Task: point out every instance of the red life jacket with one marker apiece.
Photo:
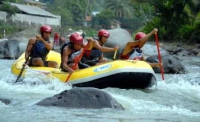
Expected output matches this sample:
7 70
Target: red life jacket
88 53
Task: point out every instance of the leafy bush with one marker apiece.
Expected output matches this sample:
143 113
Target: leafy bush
186 31
155 23
12 10
190 33
9 29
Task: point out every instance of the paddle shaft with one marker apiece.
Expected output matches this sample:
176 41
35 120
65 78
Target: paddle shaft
115 55
25 63
159 56
76 63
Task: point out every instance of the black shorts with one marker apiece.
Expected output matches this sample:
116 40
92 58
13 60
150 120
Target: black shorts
31 64
89 62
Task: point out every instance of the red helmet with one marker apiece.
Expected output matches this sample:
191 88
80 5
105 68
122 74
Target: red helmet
45 28
104 33
76 38
56 34
139 35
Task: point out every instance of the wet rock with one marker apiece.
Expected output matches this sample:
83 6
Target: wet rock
178 50
120 37
194 52
82 98
9 49
171 64
150 50
5 101
2 44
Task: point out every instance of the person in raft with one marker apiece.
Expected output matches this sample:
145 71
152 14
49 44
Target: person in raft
70 51
38 48
56 39
94 54
132 50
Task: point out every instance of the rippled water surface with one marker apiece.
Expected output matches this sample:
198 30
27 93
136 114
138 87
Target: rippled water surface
174 99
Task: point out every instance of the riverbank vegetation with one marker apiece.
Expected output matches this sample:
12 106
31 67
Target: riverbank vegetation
177 20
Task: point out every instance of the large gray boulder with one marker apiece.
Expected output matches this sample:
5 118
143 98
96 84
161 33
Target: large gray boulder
171 64
9 48
82 98
151 49
14 45
2 43
120 37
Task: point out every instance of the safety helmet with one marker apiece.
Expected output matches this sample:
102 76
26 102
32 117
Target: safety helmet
76 38
56 34
45 28
104 33
139 35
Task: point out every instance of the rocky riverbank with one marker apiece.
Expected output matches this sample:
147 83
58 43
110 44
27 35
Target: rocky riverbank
172 53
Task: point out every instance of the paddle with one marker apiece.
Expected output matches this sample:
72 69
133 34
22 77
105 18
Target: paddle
76 62
115 55
159 56
25 63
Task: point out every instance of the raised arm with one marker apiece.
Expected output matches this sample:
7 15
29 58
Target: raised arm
104 49
145 38
49 46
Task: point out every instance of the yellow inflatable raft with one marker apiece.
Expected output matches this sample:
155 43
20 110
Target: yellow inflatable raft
119 73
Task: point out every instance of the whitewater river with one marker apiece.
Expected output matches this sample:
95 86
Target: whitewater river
176 99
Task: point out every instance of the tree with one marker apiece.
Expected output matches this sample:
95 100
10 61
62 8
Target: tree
77 8
58 8
104 18
11 10
194 6
121 8
171 15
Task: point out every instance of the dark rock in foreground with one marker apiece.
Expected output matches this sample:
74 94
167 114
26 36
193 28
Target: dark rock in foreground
5 101
171 64
82 98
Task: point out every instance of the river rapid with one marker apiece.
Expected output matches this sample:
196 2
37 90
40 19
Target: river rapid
174 99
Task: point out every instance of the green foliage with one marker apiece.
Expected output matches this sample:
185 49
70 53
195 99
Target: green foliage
72 11
121 8
143 11
12 10
131 24
190 33
77 9
104 18
186 31
155 23
59 9
175 18
9 29
90 32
